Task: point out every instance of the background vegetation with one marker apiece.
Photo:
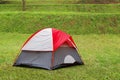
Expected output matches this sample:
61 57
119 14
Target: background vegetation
94 25
73 23
99 52
66 1
72 18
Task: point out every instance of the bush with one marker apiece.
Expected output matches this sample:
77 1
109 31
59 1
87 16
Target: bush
98 1
5 2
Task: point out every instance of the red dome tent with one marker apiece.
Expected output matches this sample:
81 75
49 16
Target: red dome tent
48 48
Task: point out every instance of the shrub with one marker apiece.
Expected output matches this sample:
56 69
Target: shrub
98 1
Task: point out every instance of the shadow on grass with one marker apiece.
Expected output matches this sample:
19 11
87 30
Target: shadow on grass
55 68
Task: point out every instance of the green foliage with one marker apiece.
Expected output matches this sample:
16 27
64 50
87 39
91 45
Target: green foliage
97 43
3 1
98 1
74 1
94 8
74 23
99 52
66 1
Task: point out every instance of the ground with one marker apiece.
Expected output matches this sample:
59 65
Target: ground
100 53
95 29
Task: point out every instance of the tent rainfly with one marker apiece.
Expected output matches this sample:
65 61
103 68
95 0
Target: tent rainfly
49 48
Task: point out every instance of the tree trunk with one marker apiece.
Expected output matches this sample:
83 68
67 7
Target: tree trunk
23 5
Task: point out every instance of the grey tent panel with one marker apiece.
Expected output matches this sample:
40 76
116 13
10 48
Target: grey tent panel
35 59
63 56
62 52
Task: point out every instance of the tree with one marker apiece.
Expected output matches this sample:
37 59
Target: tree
23 5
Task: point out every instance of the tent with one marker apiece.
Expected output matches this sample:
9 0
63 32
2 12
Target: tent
49 48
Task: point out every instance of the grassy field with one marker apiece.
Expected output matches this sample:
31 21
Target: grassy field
93 8
94 27
71 22
72 18
99 52
65 1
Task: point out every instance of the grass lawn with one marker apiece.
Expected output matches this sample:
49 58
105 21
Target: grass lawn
98 39
90 8
70 22
100 53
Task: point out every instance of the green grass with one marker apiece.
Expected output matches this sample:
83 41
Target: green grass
95 29
100 54
65 1
71 22
72 18
42 1
94 8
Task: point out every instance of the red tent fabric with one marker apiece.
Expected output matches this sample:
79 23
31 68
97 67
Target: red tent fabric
56 39
49 48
